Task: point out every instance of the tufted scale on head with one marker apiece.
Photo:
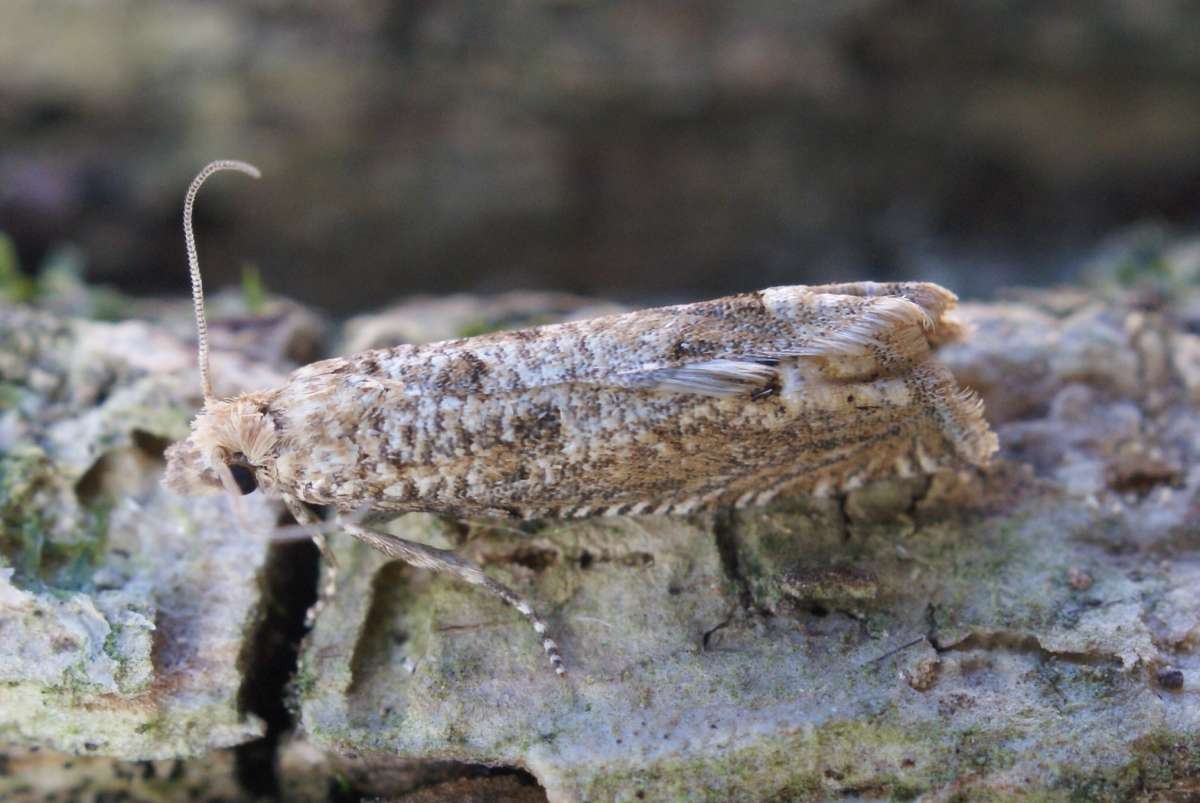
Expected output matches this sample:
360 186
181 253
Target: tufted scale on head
238 428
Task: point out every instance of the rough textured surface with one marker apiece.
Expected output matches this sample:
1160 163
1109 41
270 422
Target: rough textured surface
125 610
1028 632
425 319
42 776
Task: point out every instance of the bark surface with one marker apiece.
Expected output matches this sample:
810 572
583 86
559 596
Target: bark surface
1026 631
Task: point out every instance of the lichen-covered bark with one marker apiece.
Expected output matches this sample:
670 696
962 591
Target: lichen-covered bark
1024 631
1029 631
124 610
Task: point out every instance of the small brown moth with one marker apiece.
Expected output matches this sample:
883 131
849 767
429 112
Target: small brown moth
669 410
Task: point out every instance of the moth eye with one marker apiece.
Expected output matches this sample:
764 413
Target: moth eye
244 477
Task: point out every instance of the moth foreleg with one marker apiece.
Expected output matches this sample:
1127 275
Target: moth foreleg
441 560
307 518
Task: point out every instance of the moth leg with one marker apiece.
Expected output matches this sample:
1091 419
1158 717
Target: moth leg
441 560
306 517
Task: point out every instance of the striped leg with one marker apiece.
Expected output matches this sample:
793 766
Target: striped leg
306 518
441 560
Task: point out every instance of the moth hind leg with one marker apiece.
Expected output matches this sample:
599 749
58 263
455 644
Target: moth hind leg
441 560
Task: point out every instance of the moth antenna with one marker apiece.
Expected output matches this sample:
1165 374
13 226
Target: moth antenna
194 260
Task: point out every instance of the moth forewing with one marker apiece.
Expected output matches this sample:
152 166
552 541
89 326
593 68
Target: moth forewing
666 410
654 411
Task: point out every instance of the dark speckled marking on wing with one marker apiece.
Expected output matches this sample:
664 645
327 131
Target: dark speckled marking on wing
676 408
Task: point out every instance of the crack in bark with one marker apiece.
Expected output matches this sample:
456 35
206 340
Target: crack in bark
270 658
708 634
725 532
1012 641
895 651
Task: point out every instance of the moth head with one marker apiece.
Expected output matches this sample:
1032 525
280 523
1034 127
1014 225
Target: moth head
231 448
231 439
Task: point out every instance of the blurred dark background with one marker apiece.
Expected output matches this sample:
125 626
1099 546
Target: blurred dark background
632 149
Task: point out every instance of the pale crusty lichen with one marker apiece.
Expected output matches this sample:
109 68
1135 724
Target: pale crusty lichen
125 609
915 638
965 637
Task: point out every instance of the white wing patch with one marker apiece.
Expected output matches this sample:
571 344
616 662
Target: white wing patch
721 377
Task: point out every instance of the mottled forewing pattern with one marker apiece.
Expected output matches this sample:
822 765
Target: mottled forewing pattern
665 410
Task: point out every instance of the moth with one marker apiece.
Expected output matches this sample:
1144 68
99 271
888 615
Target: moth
661 411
